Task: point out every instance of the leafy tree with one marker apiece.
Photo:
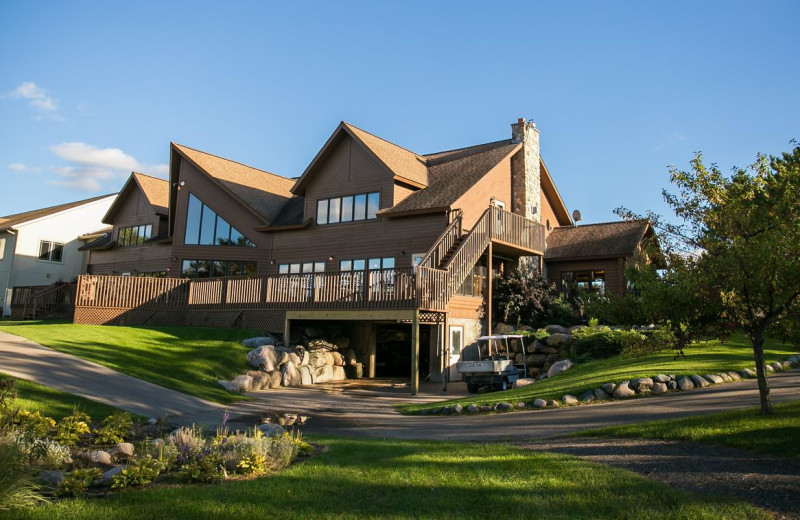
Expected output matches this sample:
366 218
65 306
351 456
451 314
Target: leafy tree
524 296
739 237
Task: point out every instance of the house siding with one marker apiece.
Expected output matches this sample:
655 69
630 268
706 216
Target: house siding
614 268
495 184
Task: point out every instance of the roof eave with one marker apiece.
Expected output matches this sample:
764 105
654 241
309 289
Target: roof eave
286 227
411 212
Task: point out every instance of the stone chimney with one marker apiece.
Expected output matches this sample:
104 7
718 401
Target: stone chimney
526 185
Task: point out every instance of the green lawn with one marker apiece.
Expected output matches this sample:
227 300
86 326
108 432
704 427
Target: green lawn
401 479
187 359
777 434
705 358
55 403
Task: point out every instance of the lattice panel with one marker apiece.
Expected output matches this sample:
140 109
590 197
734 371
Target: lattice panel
261 319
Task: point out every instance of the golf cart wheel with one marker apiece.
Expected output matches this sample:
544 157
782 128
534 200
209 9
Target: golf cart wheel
472 388
504 384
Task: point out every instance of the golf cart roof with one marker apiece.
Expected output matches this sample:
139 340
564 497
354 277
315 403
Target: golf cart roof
501 336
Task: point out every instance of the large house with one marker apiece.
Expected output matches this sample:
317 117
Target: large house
386 242
41 247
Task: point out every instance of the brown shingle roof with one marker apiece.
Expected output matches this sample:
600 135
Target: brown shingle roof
608 239
156 190
9 221
453 173
403 163
265 192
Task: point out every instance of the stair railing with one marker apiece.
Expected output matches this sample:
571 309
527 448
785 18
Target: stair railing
444 243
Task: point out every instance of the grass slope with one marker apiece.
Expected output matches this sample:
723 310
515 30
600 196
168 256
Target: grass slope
187 359
394 479
777 434
55 403
704 358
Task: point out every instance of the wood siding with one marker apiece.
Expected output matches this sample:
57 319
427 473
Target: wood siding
495 184
614 268
548 215
465 307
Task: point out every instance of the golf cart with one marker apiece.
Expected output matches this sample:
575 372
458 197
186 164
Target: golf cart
495 366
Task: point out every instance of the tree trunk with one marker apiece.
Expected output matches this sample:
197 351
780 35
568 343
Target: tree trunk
761 372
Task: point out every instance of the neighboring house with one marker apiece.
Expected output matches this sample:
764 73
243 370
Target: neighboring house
592 258
41 247
390 245
137 242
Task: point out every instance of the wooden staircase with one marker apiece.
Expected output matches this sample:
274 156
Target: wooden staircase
56 301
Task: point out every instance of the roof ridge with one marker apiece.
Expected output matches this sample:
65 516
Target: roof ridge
467 147
150 176
231 160
422 157
576 226
71 205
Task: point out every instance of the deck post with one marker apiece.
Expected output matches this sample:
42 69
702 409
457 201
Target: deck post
415 353
286 331
489 293
373 349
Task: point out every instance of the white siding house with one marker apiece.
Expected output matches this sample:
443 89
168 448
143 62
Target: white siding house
40 247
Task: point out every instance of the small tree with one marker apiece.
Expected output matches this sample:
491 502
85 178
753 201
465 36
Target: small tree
741 238
524 296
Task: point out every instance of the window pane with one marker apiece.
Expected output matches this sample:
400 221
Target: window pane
217 268
374 263
308 267
322 211
44 250
283 269
294 268
358 265
189 269
237 239
346 265
57 252
223 235
234 269
359 207
388 263
148 231
193 220
2 248
334 210
142 231
250 268
373 204
347 208
319 267
207 226
203 268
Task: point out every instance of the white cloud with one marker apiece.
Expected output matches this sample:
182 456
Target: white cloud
38 97
92 168
23 168
159 170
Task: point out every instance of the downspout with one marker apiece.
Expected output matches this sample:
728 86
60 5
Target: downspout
8 277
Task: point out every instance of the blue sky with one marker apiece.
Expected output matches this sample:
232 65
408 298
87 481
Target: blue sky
619 90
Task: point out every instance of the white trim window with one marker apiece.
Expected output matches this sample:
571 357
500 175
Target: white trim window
50 251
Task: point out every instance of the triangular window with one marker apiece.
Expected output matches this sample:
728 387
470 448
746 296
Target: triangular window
205 228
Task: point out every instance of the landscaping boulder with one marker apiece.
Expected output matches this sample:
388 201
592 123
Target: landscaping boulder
486 408
338 373
244 382
624 390
569 399
661 378
304 357
473 408
672 385
260 380
769 369
338 359
587 396
559 366
305 375
323 374
316 359
263 356
777 366
734 375
642 384
547 350
271 429
557 340
787 365
699 382
555 329
714 379
523 381
456 409
51 478
552 403
503 407
685 383
503 328
536 360
230 386
572 329
99 457
539 403
275 379
124 449
291 376
259 341
109 475
600 394
608 388
725 377
659 388
747 373
520 405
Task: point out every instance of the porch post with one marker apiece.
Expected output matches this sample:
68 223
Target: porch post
489 294
286 331
372 334
415 353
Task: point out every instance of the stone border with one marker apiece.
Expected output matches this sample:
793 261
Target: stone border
640 386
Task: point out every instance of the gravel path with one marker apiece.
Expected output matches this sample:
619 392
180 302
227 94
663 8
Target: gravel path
768 482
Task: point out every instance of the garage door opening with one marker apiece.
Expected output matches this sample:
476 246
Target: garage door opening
393 351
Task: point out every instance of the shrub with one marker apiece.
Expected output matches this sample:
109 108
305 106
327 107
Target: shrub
653 341
77 482
116 427
8 412
142 471
602 342
524 296
34 423
17 488
205 468
71 428
44 452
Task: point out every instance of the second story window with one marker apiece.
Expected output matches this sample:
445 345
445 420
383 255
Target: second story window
205 228
349 208
51 251
134 235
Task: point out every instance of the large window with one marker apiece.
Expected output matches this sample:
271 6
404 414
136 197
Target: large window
578 283
51 251
134 235
205 228
349 208
475 283
302 267
217 268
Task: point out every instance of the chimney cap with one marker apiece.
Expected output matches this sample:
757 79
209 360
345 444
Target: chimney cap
521 121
